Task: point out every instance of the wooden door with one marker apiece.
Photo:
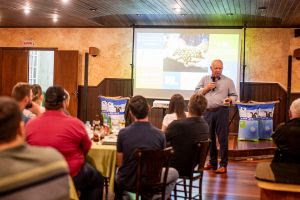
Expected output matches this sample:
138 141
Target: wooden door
14 68
66 75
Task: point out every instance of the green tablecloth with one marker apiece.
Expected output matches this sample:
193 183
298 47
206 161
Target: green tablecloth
103 157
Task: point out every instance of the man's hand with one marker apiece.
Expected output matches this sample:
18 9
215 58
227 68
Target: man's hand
35 109
227 101
209 87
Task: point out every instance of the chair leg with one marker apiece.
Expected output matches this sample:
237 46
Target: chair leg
190 188
184 187
200 187
175 192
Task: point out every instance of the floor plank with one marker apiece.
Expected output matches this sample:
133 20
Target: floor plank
238 184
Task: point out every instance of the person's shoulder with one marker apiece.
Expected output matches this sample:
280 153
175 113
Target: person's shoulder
191 122
73 120
178 123
47 153
225 77
125 131
206 77
32 121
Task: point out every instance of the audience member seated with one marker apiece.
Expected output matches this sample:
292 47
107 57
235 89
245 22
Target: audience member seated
68 135
285 166
37 98
140 134
175 111
22 93
183 134
27 172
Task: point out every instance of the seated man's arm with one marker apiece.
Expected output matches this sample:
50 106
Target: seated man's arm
85 140
119 150
279 135
119 159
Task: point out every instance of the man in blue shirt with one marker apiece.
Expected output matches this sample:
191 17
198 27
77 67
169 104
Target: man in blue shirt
220 92
140 134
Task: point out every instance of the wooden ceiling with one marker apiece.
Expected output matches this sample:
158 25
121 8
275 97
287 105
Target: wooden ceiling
127 13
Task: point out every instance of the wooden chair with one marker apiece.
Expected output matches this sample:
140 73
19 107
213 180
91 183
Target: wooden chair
149 177
196 171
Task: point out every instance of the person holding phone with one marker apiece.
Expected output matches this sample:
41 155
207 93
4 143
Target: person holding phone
219 90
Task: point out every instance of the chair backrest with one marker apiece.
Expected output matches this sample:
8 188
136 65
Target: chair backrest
203 151
150 164
200 151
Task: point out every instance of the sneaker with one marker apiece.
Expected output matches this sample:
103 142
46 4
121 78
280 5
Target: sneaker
221 170
210 167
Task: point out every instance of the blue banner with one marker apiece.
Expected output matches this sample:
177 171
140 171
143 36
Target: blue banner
248 125
256 121
113 111
265 125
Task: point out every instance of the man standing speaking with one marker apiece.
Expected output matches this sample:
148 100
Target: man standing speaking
220 92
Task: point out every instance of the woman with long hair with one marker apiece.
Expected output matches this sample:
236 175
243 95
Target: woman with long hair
175 111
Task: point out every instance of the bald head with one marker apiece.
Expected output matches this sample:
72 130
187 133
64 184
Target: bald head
216 68
217 61
295 109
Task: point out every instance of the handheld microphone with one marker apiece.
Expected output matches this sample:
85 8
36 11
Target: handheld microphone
213 78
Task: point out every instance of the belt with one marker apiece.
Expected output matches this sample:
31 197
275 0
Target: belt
213 109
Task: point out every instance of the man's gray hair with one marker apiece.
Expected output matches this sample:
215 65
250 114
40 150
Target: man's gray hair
216 60
295 108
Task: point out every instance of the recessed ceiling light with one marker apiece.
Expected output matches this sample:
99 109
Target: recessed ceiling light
178 9
93 9
55 18
65 1
27 9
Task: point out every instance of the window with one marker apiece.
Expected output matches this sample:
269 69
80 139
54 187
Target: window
41 68
34 59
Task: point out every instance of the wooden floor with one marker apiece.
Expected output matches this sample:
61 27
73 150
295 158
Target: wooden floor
238 184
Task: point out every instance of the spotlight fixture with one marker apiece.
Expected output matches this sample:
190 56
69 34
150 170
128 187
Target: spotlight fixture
93 9
27 9
55 18
177 10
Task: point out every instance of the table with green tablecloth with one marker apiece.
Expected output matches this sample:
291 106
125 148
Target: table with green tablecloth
103 157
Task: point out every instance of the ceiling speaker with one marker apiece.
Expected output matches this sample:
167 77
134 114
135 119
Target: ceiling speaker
297 54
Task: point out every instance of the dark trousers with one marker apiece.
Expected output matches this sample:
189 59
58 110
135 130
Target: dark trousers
89 182
218 126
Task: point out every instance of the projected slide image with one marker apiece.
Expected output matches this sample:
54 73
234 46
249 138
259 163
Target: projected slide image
169 61
186 53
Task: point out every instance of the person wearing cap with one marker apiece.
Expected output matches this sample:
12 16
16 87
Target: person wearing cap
68 135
